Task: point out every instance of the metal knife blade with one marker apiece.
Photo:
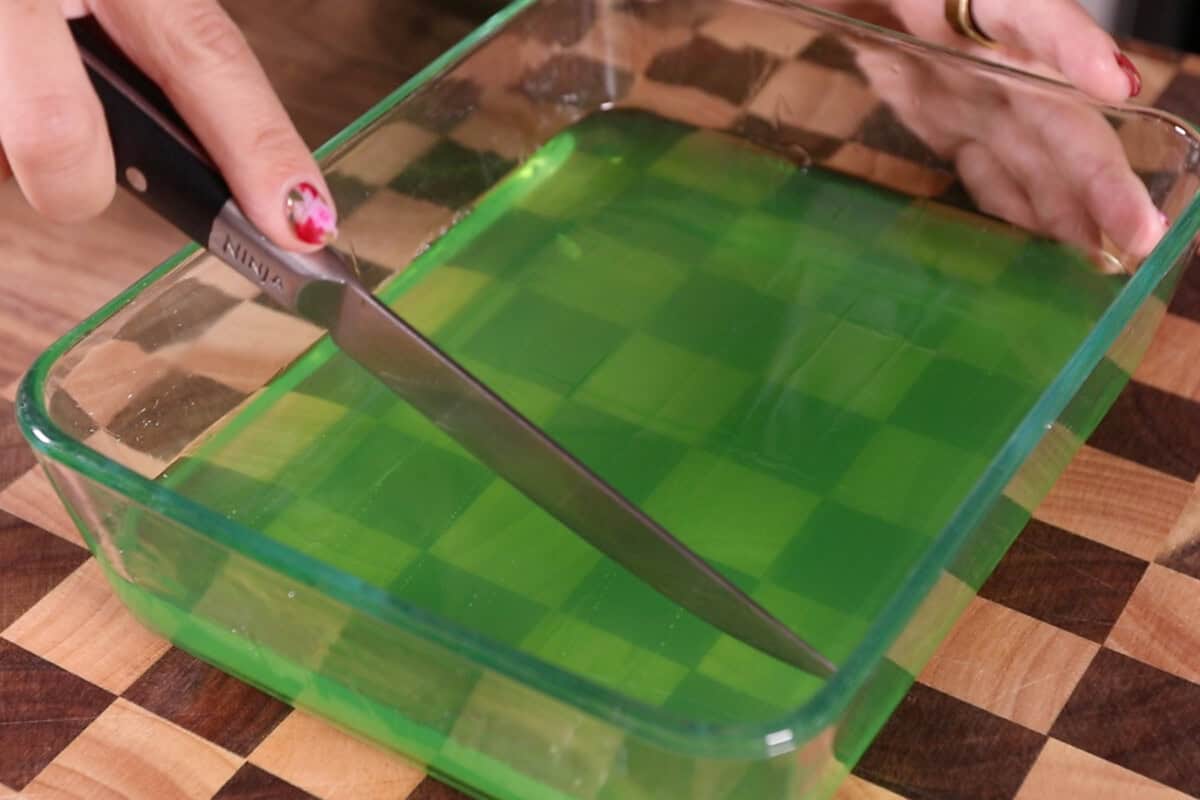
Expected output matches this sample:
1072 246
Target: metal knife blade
177 180
324 290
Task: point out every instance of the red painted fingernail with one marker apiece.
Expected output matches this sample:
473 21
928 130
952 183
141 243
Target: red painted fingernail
312 218
1131 71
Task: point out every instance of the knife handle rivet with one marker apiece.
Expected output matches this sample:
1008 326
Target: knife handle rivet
136 179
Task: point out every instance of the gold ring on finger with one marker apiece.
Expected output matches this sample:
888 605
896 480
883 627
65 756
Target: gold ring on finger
962 22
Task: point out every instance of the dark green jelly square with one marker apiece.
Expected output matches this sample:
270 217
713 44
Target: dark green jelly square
785 259
545 342
451 175
988 541
702 698
399 670
328 453
1093 400
909 479
973 252
498 247
824 199
898 300
676 206
631 459
963 405
869 709
185 567
345 382
653 772
399 484
239 497
646 227
847 560
794 437
1052 274
613 279
729 321
1040 337
477 604
635 138
861 370
613 599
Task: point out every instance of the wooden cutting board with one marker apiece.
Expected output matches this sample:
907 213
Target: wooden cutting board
1076 673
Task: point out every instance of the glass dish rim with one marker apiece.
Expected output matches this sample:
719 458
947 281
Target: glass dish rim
754 739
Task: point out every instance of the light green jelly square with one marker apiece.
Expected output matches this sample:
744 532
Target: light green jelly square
439 296
789 260
910 480
603 276
476 313
746 670
264 450
835 634
888 385
1039 338
365 552
729 513
980 346
959 245
535 402
724 167
579 188
665 388
843 363
508 540
600 656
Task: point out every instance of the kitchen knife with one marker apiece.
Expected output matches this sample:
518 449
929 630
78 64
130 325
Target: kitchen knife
161 162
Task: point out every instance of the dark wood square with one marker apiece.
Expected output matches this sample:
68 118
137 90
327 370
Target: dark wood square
1066 580
935 746
42 709
207 702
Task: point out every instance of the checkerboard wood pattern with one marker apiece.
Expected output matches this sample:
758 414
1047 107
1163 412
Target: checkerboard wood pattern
1075 672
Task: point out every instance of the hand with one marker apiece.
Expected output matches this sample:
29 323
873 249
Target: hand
1049 164
1052 37
53 136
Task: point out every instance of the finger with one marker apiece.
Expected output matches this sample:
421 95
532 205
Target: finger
1058 36
52 129
917 97
1062 34
196 53
993 188
1093 163
955 114
1060 212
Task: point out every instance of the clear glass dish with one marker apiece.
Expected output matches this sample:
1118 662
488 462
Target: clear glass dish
721 251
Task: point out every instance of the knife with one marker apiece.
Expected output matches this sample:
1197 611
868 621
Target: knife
161 162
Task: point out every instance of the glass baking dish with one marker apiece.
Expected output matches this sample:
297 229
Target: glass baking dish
721 251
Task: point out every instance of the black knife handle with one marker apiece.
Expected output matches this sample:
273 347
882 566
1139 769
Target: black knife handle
158 158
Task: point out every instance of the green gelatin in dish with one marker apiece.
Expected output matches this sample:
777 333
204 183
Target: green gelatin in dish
798 374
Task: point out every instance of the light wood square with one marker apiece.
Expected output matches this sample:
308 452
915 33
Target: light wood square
1013 665
1160 625
1062 771
332 765
132 754
84 628
1116 502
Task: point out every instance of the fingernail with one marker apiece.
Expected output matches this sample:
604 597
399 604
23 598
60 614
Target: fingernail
1164 219
313 219
1131 72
